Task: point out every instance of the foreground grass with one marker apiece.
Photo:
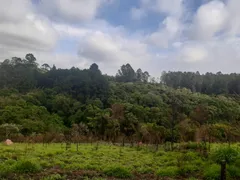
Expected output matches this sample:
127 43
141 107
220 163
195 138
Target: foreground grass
103 161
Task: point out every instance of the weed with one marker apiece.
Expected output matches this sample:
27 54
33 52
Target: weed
171 171
4 170
212 172
118 172
233 171
188 169
26 167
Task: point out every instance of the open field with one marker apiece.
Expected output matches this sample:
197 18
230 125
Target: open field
104 161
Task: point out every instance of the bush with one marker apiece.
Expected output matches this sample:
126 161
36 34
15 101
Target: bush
4 170
212 172
233 171
188 169
26 167
118 172
170 171
237 162
145 170
227 154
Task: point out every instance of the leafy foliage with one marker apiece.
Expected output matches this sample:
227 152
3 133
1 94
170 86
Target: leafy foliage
225 154
118 172
45 101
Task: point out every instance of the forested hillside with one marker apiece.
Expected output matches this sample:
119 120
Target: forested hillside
79 104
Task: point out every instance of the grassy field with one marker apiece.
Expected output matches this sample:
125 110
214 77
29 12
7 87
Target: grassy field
104 161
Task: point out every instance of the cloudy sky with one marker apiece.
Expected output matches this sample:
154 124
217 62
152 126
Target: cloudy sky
155 35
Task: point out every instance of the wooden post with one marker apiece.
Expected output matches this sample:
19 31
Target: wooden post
223 170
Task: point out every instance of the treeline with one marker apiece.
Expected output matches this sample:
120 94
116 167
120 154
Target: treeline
73 104
25 75
208 83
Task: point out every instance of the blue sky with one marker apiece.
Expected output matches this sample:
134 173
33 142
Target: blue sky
155 35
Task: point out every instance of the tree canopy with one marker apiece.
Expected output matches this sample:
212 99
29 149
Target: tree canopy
184 106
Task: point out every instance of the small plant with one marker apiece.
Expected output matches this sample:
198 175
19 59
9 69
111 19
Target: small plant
171 171
188 169
26 167
224 156
4 170
145 170
233 171
118 172
212 172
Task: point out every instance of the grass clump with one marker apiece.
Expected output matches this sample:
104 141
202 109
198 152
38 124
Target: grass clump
26 167
233 172
118 172
212 172
4 170
171 171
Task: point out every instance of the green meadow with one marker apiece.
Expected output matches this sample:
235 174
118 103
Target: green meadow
105 161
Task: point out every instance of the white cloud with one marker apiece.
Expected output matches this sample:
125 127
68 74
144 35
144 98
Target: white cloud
172 7
106 45
205 56
168 31
171 27
214 46
217 17
193 53
210 19
233 23
71 10
20 27
66 30
11 10
111 50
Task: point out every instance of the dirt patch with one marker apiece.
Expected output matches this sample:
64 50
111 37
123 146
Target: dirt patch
75 175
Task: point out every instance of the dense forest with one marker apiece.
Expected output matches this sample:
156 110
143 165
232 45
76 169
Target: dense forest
52 104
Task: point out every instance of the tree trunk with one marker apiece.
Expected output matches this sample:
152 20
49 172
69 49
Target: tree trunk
223 170
123 141
209 144
157 146
131 140
174 117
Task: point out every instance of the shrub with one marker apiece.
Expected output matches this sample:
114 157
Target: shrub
4 170
144 170
226 154
192 145
160 153
237 162
26 167
233 171
118 172
188 169
170 171
9 162
212 172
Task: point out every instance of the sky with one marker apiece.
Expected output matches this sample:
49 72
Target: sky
154 35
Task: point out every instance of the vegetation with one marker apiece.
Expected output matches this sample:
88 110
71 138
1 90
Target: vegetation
107 161
182 112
